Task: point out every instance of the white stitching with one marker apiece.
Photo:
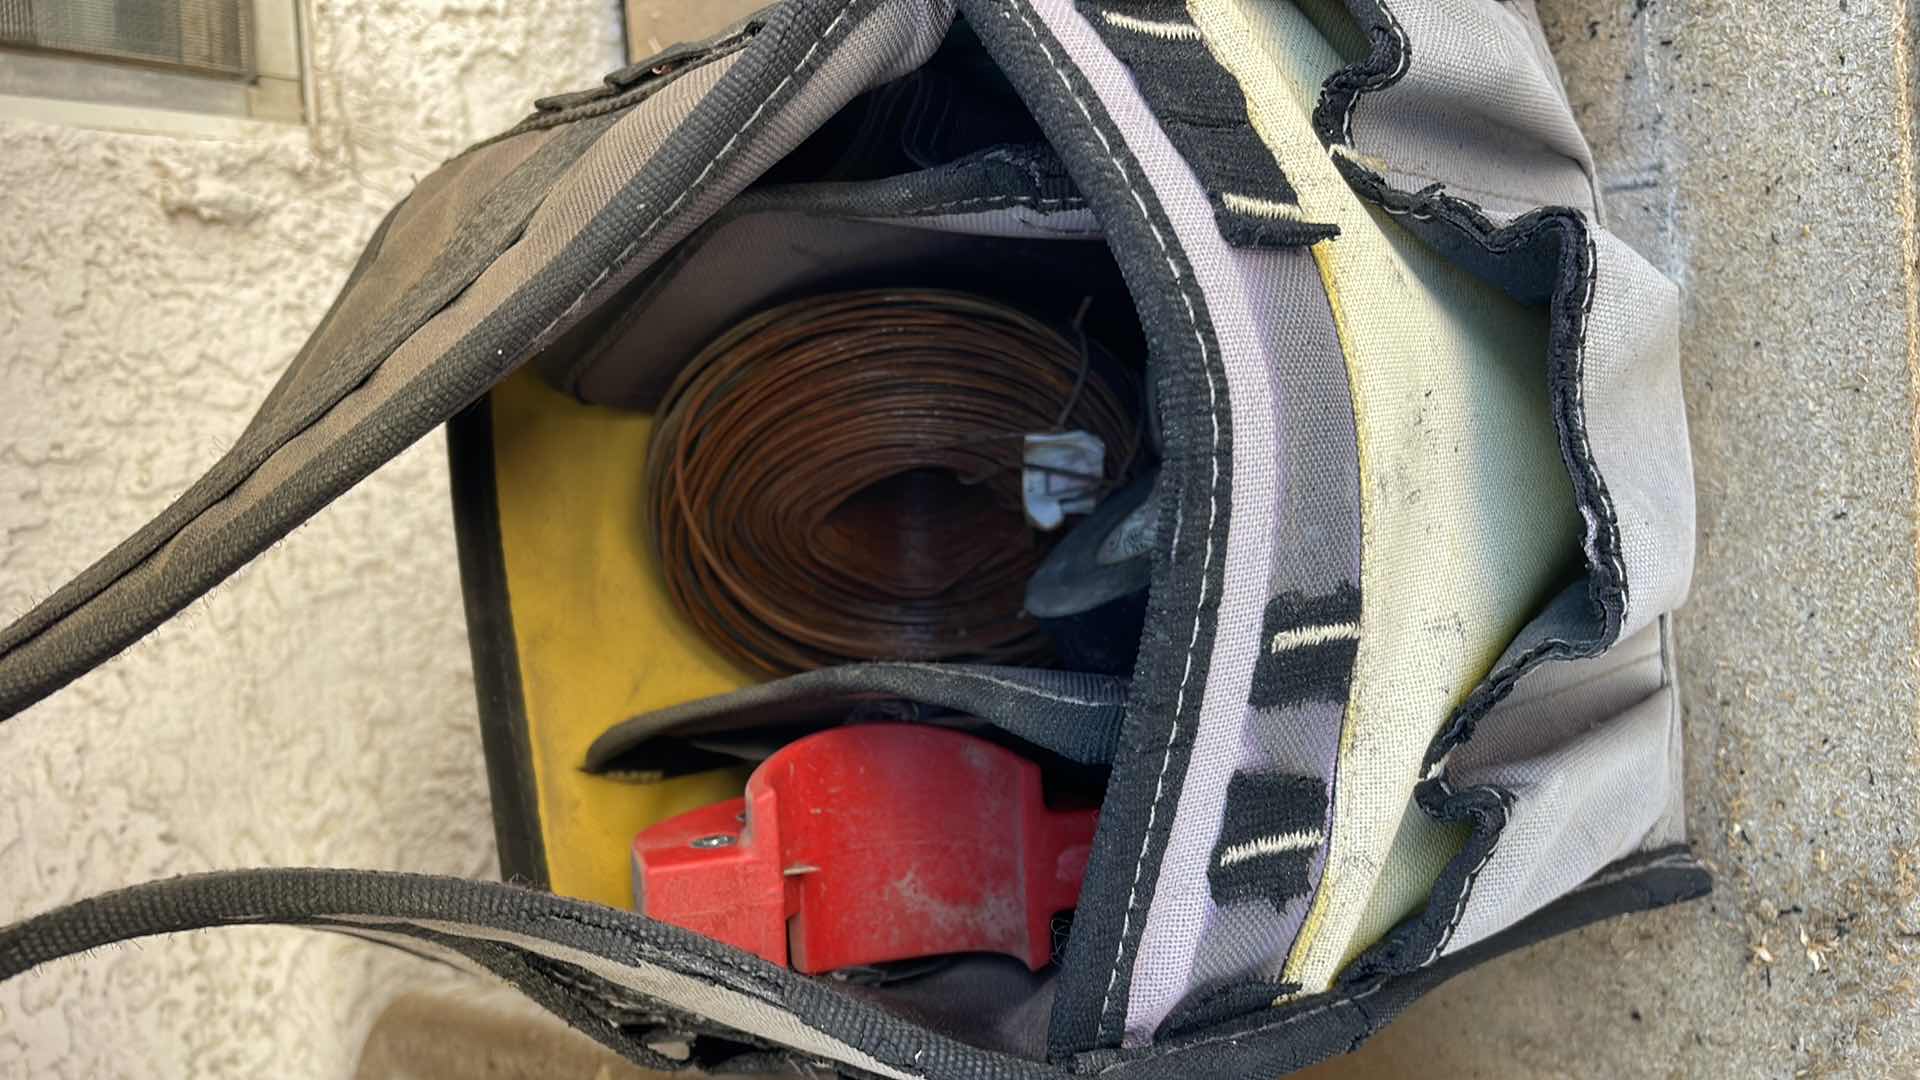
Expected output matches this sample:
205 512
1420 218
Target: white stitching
1253 206
1009 684
1213 507
845 9
1306 637
1466 887
1403 62
1676 860
1167 31
1009 201
1264 1029
1276 844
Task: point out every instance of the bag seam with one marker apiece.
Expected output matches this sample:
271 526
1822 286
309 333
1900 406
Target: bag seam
1213 505
1009 684
1678 860
721 155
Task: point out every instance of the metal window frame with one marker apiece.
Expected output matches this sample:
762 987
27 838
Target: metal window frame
137 95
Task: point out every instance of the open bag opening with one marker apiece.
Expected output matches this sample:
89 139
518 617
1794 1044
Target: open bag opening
936 184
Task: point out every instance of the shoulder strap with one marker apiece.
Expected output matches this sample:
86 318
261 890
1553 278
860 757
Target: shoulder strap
626 981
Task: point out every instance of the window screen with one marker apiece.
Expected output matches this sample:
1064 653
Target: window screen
214 36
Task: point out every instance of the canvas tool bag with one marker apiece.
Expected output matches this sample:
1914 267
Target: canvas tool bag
1405 695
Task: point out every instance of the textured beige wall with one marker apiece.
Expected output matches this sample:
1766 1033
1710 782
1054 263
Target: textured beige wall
318 709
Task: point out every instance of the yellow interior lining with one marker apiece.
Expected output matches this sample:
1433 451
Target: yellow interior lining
597 638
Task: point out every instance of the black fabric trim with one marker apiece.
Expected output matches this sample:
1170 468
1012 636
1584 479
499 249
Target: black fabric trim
1319 672
1269 1043
1013 174
1264 805
1322 671
1419 940
34 663
1275 1042
511 785
1069 713
1157 738
1204 113
1221 1005
1385 64
350 900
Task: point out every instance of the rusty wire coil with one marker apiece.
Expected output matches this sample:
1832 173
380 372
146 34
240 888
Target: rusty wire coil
839 478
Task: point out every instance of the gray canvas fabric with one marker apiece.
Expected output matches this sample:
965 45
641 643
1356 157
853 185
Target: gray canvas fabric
1072 714
781 242
1670 828
882 42
1575 809
1556 703
1316 553
1585 749
757 258
1479 108
1637 426
1254 296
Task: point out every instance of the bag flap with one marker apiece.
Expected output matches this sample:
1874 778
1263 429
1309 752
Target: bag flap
485 263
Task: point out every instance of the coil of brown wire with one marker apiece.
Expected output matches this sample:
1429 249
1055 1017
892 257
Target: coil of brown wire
839 478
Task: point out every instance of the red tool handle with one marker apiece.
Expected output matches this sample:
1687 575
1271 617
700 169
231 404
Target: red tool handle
871 843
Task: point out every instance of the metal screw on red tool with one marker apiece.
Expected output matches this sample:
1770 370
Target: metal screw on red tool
873 843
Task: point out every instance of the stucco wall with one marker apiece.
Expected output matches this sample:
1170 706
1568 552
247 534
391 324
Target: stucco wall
318 709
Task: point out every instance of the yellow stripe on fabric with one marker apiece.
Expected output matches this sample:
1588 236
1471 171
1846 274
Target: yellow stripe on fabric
597 638
1467 519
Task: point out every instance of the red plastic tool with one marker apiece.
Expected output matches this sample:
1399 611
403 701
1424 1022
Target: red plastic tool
872 843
